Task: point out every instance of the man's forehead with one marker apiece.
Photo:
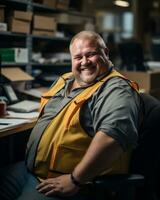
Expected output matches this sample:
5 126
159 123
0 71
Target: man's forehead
81 42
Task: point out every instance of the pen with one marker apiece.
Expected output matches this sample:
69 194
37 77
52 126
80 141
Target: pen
4 123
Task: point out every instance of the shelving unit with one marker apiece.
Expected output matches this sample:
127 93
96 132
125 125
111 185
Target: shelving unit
33 42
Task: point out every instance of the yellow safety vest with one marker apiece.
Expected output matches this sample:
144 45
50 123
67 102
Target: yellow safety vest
64 142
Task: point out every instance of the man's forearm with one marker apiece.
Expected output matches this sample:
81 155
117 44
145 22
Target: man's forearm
102 152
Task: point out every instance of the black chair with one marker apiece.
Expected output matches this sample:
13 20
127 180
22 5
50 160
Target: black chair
142 182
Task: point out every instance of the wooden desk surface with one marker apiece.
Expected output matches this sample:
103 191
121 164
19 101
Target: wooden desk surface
19 128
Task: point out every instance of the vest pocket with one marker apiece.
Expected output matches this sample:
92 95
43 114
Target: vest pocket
66 159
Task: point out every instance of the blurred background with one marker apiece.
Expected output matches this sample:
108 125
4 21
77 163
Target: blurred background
35 35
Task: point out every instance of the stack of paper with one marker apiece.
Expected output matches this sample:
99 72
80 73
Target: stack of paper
30 115
24 106
6 124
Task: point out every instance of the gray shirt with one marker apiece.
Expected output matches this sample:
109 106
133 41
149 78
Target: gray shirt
114 109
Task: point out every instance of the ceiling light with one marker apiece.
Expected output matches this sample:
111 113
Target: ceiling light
121 3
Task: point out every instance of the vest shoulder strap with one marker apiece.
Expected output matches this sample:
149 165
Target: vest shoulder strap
54 89
87 93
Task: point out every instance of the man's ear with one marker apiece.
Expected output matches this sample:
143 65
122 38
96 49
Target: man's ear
106 51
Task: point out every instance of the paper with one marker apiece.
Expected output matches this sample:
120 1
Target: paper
6 124
29 115
24 106
34 92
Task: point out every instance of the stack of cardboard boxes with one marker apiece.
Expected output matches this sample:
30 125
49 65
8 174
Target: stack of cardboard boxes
60 4
44 25
1 13
24 22
20 21
49 3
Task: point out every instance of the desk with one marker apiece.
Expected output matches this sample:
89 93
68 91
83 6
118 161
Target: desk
19 128
13 142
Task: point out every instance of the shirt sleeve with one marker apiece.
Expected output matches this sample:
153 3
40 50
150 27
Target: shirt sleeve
115 109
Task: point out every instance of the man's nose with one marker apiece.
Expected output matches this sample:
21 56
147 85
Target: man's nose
84 60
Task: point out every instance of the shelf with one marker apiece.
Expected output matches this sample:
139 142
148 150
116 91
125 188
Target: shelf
15 3
38 43
24 2
80 14
10 34
65 39
9 64
64 64
41 7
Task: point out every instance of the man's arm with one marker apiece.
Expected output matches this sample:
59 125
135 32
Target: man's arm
102 152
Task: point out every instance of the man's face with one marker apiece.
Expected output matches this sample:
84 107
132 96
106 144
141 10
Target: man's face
88 61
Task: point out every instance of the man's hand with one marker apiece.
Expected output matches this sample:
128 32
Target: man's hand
61 186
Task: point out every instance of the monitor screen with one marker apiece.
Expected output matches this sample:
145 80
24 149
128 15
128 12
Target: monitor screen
155 49
131 53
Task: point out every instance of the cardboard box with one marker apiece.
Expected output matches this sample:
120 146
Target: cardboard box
1 13
148 81
18 55
69 19
88 7
19 26
21 15
63 4
50 3
43 33
16 74
3 26
44 23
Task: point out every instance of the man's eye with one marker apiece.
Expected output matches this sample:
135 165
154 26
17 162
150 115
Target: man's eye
92 54
77 58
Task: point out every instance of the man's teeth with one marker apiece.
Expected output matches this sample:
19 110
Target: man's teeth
87 69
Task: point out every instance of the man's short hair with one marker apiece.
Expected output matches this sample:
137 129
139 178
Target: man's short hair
89 35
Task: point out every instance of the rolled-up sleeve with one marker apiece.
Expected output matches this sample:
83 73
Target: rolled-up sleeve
115 110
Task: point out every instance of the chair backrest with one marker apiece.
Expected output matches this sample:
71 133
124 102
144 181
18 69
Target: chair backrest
145 161
146 158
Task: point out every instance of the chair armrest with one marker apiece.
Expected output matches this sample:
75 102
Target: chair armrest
120 185
118 180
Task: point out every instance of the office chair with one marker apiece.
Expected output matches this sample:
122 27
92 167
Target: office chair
142 181
131 54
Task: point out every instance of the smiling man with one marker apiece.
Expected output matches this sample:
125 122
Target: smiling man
89 58
88 126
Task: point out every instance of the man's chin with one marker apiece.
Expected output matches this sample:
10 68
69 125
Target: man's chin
87 81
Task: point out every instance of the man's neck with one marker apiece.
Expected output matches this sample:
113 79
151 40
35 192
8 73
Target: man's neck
75 84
